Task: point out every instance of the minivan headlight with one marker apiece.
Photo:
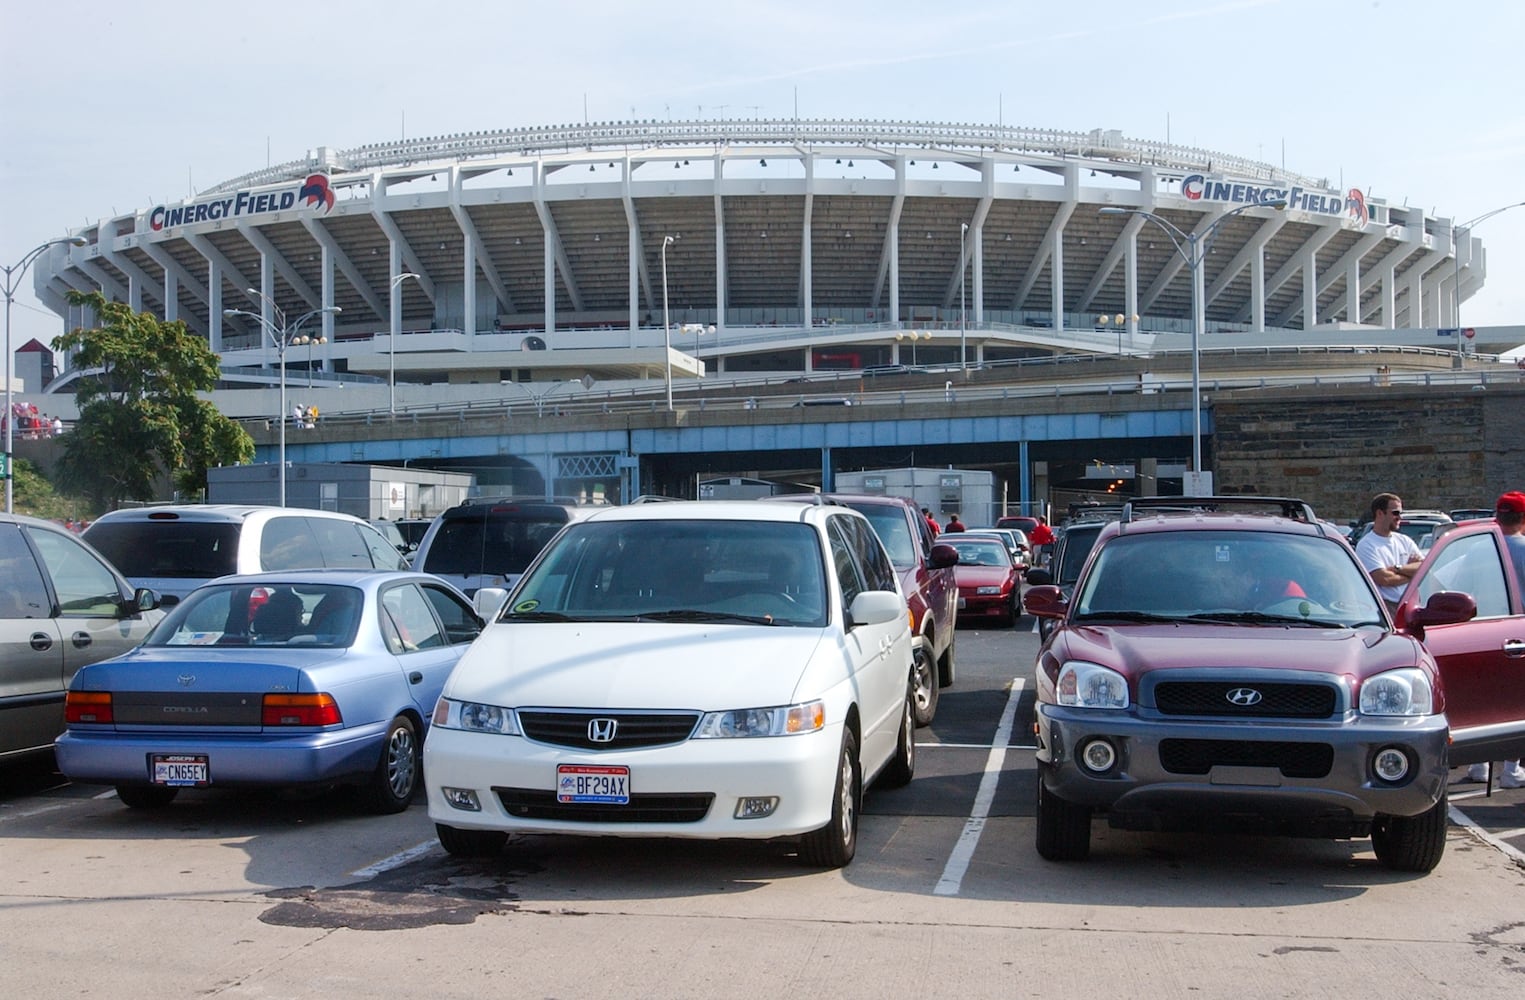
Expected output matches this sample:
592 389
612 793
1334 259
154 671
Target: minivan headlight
1090 685
475 717
1398 692
784 720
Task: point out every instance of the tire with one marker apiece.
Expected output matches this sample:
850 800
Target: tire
1063 828
1412 843
924 685
392 784
470 843
902 767
833 845
947 670
146 796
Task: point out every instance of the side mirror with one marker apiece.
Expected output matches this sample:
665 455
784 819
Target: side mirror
1444 608
1046 601
489 601
1039 577
143 600
875 607
944 556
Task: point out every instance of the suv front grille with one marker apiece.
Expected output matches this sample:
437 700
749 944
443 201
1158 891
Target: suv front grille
632 730
1294 760
534 803
1277 700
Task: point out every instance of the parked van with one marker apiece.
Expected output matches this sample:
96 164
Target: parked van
175 549
489 541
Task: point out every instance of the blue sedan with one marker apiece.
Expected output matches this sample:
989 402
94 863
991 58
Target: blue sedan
315 677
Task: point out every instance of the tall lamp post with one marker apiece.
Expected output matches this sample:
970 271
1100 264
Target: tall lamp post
1193 248
963 323
1456 270
13 275
666 327
392 346
282 335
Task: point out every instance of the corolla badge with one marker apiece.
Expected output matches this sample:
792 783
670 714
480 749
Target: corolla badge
1243 697
186 680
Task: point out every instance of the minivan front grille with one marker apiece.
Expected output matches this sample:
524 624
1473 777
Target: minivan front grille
630 730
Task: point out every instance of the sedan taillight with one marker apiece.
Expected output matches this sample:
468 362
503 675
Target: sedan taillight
300 710
87 706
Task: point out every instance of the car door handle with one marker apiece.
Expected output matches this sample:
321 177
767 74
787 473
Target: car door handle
1514 647
415 677
41 641
80 639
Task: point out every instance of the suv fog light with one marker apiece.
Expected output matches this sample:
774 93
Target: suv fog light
461 798
1098 756
756 807
1391 764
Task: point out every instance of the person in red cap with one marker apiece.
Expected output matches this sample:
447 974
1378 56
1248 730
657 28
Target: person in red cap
1509 511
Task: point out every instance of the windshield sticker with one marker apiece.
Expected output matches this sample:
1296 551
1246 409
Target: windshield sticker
526 606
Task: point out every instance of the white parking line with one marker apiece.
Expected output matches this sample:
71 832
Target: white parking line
396 860
6 817
1493 839
969 746
958 862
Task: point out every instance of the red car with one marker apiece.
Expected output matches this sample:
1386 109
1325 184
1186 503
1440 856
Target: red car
1225 662
989 583
1481 659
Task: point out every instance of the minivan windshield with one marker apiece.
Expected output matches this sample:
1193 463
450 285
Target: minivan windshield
177 549
489 541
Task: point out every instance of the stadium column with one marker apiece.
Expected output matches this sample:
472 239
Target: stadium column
326 266
469 290
171 297
1130 283
720 265
215 318
394 320
1310 290
1353 291
805 292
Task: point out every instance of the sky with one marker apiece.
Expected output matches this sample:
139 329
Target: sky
107 108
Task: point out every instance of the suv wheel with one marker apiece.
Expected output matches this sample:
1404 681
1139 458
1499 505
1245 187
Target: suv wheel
946 669
924 684
1063 828
1412 843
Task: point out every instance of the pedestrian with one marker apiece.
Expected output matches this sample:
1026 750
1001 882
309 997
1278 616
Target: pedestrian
1509 511
1391 557
311 417
296 415
932 524
954 524
58 426
1040 539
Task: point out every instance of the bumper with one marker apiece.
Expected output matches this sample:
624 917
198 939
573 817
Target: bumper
985 606
799 770
106 757
1146 788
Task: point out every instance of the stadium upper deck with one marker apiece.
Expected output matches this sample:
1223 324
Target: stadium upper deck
783 235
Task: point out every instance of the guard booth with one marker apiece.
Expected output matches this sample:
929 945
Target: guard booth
369 491
735 488
968 492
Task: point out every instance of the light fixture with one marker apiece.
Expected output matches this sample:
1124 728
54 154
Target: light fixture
1015 167
1093 173
763 235
839 161
517 241
764 162
1008 237
929 234
510 171
913 163
934 166
676 165
685 163
590 168
597 238
849 234
1082 241
849 163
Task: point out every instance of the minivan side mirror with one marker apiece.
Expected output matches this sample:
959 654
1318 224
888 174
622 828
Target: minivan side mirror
143 600
489 601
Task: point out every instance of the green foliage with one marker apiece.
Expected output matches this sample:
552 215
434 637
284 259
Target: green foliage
142 416
32 494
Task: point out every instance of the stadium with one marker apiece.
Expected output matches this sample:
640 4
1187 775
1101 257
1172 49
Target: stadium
641 252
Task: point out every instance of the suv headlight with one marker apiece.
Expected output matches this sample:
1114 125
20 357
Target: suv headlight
1090 685
784 720
1398 692
474 717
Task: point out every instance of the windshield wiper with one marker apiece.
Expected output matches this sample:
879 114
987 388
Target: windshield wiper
540 616
695 615
1261 618
1125 616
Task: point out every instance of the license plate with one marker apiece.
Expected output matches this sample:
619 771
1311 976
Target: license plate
603 784
182 770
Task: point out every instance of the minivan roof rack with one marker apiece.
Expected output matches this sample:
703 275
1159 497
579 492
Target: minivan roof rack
1287 507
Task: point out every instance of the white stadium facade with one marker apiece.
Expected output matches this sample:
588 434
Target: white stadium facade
744 247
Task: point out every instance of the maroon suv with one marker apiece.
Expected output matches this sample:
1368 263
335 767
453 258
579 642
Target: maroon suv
926 576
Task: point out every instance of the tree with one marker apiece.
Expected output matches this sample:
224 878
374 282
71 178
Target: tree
141 417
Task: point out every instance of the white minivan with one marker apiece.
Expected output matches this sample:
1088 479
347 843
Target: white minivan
174 549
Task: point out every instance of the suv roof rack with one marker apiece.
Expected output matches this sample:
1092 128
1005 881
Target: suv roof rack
1293 510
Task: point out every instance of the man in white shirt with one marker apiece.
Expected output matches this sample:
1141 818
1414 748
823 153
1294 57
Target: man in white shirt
1390 556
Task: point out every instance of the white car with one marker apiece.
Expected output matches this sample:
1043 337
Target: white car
692 669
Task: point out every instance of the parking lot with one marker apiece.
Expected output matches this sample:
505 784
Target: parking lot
244 895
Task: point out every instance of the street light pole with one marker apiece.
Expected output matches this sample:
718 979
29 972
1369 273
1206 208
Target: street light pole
392 347
666 328
282 336
13 275
1193 247
1466 227
963 322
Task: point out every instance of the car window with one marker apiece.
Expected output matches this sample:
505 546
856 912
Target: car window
86 588
878 573
894 530
321 615
1470 565
456 615
384 552
848 573
413 626
1076 546
498 542
287 543
343 543
23 594
169 549
990 553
